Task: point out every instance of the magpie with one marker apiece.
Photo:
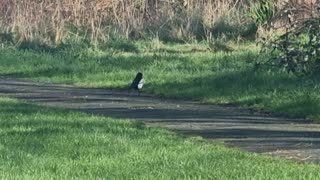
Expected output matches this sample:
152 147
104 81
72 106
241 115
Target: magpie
137 83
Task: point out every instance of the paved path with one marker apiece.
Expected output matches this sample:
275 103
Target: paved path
239 127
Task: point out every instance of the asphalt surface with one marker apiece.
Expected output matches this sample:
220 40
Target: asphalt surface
297 139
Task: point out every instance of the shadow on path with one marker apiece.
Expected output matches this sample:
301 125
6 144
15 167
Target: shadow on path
236 126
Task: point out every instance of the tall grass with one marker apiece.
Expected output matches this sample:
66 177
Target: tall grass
57 21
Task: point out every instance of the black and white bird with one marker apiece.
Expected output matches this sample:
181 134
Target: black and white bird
138 82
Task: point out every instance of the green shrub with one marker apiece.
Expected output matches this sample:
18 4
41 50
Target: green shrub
298 50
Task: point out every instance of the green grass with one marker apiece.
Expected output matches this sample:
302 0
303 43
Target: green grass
175 71
42 143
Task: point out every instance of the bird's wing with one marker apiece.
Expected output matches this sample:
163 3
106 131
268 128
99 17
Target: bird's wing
141 82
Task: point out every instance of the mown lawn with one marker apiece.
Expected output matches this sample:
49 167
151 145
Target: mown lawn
175 71
42 143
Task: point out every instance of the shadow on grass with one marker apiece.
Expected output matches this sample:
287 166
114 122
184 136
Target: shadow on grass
226 78
277 92
55 117
31 128
80 67
121 45
173 51
36 130
47 72
31 123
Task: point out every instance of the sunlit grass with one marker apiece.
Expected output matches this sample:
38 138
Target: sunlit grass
173 71
43 143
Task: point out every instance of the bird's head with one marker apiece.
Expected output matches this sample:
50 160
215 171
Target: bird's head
139 75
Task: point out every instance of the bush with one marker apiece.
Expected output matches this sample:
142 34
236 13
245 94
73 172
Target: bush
297 50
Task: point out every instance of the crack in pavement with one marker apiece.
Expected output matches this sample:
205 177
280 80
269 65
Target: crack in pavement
239 127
